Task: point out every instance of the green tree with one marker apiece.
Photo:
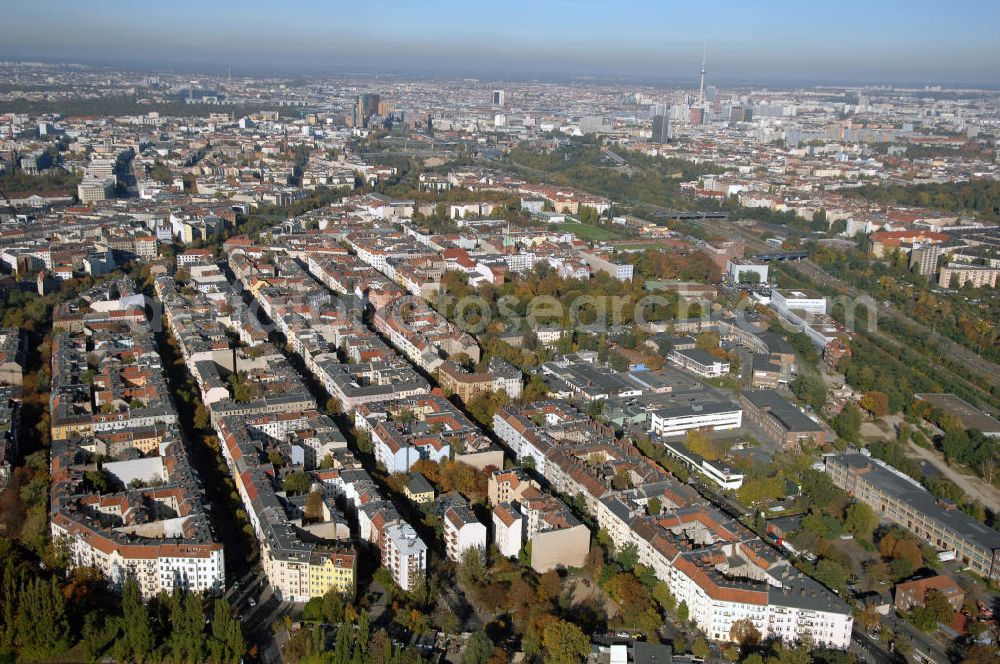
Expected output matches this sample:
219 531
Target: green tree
478 650
364 628
831 574
860 520
227 644
472 568
313 610
700 648
138 639
194 627
847 423
364 441
43 626
297 482
810 388
682 611
628 557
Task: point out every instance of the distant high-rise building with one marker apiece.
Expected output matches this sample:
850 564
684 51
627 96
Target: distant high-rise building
661 129
711 93
365 106
924 258
498 96
740 113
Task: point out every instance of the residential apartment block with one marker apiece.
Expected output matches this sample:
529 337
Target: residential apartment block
110 398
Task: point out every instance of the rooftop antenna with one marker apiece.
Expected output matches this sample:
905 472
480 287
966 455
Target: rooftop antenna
701 87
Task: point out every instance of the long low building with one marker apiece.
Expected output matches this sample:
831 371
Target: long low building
700 362
709 416
722 474
902 501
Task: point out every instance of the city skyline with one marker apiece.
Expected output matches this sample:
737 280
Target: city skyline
643 40
543 331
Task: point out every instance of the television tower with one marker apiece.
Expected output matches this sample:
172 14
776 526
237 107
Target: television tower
701 87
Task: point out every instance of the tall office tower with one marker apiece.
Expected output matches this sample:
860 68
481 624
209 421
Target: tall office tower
661 129
365 106
701 86
498 96
711 93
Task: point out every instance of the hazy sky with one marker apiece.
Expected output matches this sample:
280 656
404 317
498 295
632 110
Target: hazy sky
921 41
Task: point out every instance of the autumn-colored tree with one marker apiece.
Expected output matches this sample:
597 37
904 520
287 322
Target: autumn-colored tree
622 480
876 574
707 341
868 618
461 477
632 597
876 403
522 598
313 510
564 643
745 633
549 586
429 469
908 550
699 443
886 545
980 654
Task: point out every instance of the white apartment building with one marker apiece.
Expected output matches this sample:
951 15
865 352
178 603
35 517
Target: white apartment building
404 554
678 420
508 530
462 531
156 567
735 267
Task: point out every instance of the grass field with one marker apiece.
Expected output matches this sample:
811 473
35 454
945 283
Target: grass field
591 233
